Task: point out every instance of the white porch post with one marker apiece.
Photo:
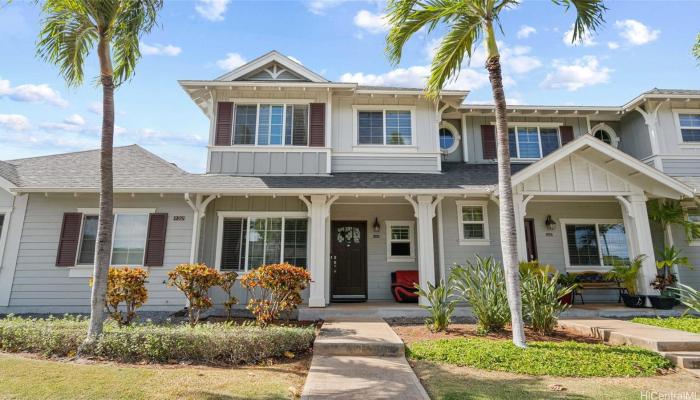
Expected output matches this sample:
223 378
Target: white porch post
319 210
638 231
520 208
424 207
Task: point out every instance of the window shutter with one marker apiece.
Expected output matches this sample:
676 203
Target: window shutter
317 125
68 242
488 141
224 123
567 134
155 241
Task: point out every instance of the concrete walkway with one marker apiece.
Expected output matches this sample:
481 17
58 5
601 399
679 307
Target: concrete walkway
360 359
682 348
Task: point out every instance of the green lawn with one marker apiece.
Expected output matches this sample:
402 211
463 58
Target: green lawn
687 323
449 382
29 378
568 358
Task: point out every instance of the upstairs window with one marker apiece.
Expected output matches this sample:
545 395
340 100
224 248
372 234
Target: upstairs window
271 124
385 127
690 127
532 142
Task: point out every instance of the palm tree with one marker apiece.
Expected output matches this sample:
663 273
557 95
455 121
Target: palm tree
467 22
696 48
70 30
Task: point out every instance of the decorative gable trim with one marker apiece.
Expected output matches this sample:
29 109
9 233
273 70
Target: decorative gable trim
269 58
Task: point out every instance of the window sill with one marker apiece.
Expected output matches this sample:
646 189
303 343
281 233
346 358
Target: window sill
385 148
400 259
689 144
475 242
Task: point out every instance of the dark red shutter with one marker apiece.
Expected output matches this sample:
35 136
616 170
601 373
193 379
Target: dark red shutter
224 123
488 141
68 242
155 241
317 125
567 134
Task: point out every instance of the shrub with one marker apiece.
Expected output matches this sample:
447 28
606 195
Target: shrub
541 294
125 285
274 289
483 285
228 279
195 280
627 273
220 343
441 305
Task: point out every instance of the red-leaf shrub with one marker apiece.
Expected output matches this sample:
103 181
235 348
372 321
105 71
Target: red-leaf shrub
273 289
125 285
228 279
194 281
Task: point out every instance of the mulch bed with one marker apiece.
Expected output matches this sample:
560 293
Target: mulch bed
410 333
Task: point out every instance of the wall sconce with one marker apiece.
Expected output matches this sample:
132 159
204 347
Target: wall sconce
376 225
549 223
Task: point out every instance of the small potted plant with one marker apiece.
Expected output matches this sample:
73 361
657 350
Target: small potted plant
665 279
568 280
626 274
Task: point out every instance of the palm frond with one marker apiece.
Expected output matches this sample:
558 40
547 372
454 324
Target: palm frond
696 48
589 16
135 18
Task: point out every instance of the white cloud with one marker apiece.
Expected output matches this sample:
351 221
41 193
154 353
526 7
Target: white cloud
613 45
232 61
159 50
14 122
158 137
31 93
319 7
213 10
635 32
525 31
585 40
95 107
518 60
75 119
415 77
370 22
585 71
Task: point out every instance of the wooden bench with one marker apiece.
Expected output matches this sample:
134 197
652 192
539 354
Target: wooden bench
592 280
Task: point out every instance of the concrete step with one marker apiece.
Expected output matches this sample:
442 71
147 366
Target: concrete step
360 337
688 360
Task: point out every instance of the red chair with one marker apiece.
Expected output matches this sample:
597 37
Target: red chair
403 286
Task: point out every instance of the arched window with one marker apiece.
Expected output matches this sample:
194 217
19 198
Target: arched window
606 134
449 137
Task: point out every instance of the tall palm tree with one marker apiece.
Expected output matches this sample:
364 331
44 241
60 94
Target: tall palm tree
467 23
70 30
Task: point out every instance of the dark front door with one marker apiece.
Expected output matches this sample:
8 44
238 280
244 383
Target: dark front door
530 241
348 261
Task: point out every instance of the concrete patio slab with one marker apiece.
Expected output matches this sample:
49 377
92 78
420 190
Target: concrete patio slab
358 337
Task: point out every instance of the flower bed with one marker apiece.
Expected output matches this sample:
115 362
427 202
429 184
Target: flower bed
215 343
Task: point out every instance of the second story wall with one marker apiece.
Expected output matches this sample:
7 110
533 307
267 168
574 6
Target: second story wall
679 138
634 135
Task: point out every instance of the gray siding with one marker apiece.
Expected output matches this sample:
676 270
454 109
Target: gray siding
690 277
634 135
267 163
384 164
39 284
681 167
5 198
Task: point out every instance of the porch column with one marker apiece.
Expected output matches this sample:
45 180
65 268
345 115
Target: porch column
424 207
638 231
319 210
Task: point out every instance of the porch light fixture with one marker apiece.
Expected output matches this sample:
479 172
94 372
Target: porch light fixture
549 223
376 225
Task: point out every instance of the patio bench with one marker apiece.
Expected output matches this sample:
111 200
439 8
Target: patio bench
592 280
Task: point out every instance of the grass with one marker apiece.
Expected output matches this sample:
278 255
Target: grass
29 378
564 359
449 382
687 323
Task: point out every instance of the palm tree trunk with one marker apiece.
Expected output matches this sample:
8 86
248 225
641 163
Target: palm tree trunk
509 247
106 218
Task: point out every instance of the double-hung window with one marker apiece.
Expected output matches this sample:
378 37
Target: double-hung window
472 218
128 238
271 124
400 241
594 243
527 142
247 242
385 127
690 127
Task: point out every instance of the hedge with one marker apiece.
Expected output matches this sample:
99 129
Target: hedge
214 343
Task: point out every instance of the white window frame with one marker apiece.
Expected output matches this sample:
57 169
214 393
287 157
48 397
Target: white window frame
686 215
455 135
538 125
257 215
614 139
589 221
271 102
677 122
411 240
460 223
382 147
6 212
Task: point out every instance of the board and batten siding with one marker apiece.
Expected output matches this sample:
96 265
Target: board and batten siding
41 286
288 162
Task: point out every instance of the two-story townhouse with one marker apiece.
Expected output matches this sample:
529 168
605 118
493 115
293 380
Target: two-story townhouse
351 182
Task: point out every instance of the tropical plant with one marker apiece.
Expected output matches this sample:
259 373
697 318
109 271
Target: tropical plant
70 30
274 289
626 273
441 305
535 266
668 212
125 285
482 285
666 259
696 48
541 300
226 283
194 281
688 296
467 23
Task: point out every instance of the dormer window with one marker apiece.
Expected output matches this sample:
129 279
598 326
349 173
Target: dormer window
384 127
271 124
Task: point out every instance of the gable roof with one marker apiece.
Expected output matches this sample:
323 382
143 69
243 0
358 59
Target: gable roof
614 161
272 57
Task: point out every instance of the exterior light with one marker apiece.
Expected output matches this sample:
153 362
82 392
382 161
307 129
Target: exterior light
376 225
549 223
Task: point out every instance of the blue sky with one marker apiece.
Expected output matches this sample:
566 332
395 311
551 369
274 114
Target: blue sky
643 44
